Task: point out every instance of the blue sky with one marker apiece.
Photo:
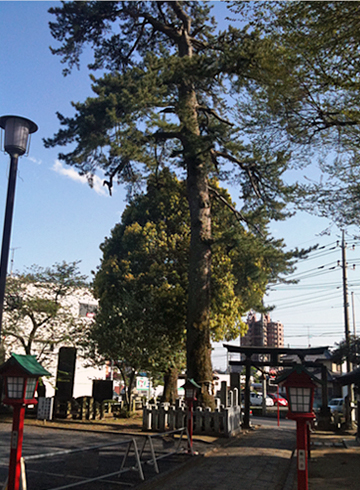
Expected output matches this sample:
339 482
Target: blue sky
58 217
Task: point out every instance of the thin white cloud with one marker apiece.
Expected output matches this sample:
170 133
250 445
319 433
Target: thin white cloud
72 174
34 160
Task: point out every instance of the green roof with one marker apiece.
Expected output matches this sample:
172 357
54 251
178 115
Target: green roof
299 369
194 383
28 363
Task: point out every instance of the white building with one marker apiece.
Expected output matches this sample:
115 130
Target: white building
74 314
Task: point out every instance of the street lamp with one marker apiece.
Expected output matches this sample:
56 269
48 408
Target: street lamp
21 375
300 399
300 387
17 130
191 388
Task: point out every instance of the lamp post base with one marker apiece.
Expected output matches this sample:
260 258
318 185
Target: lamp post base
16 447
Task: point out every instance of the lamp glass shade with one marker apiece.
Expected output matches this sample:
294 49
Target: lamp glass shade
17 130
190 393
15 386
30 388
300 399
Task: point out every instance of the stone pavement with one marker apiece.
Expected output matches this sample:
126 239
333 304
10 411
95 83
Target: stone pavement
260 459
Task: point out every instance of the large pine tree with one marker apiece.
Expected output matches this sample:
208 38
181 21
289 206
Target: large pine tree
165 98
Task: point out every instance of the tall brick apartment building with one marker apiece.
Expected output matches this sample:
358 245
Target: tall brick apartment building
263 332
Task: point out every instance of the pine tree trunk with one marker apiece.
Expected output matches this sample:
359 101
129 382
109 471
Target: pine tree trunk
198 330
198 345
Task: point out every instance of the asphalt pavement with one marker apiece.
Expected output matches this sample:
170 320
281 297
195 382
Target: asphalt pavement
254 460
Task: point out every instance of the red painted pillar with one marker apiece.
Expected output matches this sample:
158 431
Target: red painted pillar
302 453
16 447
190 426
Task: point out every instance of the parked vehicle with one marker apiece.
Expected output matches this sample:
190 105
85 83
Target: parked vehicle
256 399
278 399
336 405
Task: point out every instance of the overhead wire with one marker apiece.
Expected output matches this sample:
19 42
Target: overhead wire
302 296
325 291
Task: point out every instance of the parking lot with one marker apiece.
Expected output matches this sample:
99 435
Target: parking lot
70 460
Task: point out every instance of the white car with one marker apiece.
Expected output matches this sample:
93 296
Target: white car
336 405
256 399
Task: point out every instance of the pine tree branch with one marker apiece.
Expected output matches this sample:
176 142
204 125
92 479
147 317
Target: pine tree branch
136 43
239 216
157 25
253 180
166 135
185 19
117 170
207 110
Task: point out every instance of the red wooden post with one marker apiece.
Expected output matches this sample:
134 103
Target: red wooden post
300 386
16 447
190 425
302 459
190 388
308 439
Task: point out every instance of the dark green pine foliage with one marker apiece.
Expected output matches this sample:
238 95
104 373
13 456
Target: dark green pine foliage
342 352
310 103
164 99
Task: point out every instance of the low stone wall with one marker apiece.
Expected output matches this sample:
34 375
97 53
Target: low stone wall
224 421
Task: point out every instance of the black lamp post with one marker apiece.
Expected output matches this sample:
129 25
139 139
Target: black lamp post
17 130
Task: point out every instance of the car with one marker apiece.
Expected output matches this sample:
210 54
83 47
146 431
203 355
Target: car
256 399
269 401
336 405
278 399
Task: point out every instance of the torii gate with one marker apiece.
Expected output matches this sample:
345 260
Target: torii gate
274 353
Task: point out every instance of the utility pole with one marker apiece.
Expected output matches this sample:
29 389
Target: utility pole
346 302
353 313
12 260
348 420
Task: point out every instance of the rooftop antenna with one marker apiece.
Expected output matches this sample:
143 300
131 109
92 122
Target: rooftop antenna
12 259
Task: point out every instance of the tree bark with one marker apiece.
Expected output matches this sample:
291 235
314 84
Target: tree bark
198 328
128 386
170 386
198 346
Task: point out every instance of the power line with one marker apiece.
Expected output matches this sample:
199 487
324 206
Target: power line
304 295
